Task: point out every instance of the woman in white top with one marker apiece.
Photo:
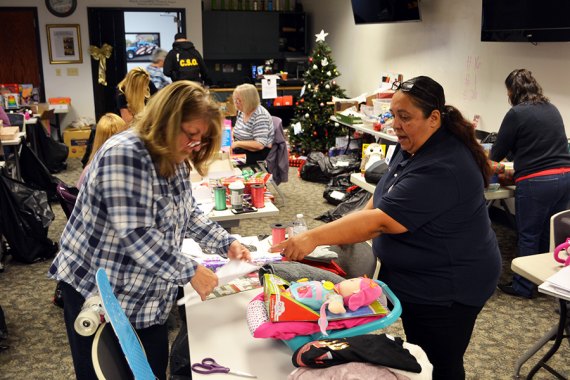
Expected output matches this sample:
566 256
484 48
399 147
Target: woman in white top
253 130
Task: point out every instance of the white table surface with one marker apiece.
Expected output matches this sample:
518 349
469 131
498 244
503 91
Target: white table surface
370 131
217 328
536 268
16 141
227 214
501 193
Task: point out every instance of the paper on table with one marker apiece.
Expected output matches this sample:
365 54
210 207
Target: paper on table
558 284
232 270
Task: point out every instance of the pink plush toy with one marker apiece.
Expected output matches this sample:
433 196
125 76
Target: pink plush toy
355 292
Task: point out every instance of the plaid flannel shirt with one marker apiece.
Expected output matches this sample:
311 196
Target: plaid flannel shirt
131 222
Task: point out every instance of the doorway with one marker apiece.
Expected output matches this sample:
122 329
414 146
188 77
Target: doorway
121 28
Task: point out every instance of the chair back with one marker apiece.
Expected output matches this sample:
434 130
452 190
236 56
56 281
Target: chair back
559 228
278 157
16 119
67 195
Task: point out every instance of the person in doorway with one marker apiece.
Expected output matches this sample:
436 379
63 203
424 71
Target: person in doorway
533 133
108 125
253 131
184 62
132 214
133 92
155 69
429 224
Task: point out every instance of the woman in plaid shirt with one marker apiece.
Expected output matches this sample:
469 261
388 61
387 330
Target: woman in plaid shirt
133 212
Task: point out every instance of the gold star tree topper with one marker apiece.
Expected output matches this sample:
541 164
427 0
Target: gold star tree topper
321 36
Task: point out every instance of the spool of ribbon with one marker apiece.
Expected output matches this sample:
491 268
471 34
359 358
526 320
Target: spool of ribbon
101 54
277 233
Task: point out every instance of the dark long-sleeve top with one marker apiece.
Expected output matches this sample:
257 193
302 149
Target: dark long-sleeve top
535 137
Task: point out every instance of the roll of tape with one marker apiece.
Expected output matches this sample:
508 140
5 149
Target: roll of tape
278 232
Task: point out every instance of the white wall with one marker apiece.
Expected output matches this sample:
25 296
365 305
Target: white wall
80 88
446 46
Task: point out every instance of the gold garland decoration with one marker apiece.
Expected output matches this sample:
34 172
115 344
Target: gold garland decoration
101 54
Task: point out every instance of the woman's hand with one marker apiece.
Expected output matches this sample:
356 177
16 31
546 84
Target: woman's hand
238 251
296 247
204 281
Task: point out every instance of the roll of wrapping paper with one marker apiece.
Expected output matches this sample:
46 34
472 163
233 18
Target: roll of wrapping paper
277 233
219 198
257 195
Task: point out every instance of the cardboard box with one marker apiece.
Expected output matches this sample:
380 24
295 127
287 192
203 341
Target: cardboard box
76 140
341 105
9 133
39 108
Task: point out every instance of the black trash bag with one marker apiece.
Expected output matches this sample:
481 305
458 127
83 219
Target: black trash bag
24 221
356 200
320 168
35 174
3 331
337 189
180 368
52 153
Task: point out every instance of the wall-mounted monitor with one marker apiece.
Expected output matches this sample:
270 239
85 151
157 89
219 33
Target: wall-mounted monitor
385 11
525 20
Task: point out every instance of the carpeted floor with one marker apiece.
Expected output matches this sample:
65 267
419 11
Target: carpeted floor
38 349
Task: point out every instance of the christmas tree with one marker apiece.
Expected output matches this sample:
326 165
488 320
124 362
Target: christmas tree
311 128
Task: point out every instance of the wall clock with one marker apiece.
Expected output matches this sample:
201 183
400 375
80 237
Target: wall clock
61 8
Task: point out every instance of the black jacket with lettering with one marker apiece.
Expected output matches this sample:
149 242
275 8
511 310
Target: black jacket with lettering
184 62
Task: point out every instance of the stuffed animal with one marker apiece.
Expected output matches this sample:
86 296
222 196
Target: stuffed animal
355 293
372 153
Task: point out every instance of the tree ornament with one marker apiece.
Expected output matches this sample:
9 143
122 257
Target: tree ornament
334 82
327 86
321 36
296 103
315 67
336 124
307 116
329 73
322 104
324 62
314 133
303 100
311 59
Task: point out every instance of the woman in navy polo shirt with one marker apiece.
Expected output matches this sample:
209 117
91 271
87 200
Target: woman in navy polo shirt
533 133
430 226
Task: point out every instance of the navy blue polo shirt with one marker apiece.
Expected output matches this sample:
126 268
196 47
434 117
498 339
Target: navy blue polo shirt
449 253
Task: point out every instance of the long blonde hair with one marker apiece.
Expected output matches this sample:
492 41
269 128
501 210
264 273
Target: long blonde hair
135 87
108 125
160 125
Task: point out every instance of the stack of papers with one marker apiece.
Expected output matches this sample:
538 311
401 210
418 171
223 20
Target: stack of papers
558 285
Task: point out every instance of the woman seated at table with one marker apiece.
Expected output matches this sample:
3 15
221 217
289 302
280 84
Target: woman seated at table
253 130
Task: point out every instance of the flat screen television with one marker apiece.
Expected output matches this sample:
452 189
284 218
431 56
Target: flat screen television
385 11
525 20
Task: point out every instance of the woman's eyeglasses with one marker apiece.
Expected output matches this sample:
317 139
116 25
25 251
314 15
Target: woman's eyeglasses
193 143
404 86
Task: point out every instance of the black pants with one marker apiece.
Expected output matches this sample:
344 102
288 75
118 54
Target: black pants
252 157
443 333
154 340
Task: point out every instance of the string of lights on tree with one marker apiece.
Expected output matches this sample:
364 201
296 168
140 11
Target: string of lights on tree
311 128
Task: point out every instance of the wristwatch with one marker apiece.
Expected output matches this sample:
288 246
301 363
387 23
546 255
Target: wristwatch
61 8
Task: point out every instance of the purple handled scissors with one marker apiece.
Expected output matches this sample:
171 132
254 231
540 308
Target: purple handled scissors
209 366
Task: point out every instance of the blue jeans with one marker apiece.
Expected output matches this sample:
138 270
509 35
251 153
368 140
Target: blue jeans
536 200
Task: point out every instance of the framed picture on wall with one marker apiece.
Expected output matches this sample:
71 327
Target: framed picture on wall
140 46
64 43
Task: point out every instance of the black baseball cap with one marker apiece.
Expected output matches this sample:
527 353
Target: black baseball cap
179 36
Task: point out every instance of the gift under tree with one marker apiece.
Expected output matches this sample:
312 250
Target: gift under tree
311 128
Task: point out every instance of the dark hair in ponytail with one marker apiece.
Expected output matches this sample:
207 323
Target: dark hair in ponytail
428 95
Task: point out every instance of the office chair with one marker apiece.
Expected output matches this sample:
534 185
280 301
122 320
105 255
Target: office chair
277 161
559 231
67 195
16 119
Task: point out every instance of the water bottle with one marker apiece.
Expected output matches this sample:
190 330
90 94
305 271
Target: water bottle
298 226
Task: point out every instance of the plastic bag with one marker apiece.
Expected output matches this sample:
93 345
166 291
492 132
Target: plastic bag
320 168
355 201
337 189
24 221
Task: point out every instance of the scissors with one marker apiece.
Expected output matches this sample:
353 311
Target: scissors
209 366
